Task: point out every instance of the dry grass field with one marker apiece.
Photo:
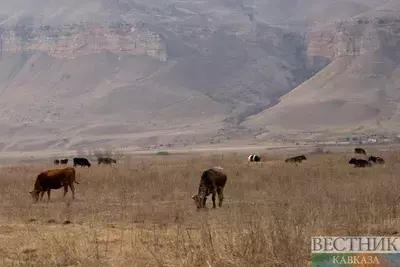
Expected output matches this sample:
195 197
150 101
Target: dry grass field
139 212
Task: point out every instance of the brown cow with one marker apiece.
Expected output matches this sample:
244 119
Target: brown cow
296 159
54 179
212 181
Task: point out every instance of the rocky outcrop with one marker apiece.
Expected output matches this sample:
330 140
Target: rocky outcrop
71 41
358 91
355 38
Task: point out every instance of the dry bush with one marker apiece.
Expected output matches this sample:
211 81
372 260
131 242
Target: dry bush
139 213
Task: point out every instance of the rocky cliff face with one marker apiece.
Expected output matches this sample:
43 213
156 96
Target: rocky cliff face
354 38
71 41
358 90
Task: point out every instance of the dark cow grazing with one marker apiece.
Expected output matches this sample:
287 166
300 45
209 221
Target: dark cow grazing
212 181
297 159
254 158
64 161
81 162
360 163
56 162
377 160
106 161
54 179
359 151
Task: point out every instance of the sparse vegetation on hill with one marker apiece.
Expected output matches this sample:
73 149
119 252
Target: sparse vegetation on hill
357 92
181 73
140 213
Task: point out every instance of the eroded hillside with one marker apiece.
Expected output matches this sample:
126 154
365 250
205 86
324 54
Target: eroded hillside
133 82
128 72
359 91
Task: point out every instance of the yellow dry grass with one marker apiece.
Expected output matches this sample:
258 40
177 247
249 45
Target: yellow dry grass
139 213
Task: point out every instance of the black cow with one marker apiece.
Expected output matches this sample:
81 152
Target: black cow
359 151
254 158
64 161
106 161
81 162
360 163
297 159
56 162
377 160
212 182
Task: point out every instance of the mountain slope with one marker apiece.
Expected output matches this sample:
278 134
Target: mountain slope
143 73
358 90
118 96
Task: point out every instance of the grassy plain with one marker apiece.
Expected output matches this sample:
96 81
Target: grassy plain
139 212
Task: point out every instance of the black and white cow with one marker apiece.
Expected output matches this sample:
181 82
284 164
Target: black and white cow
255 158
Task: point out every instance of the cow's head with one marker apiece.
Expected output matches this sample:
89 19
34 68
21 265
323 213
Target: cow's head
35 195
199 201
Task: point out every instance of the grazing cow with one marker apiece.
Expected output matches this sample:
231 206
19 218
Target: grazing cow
106 161
297 159
254 158
212 181
359 151
54 179
81 162
56 162
360 163
64 161
377 160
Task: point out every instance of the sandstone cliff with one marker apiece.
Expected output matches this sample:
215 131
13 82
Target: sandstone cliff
145 72
71 41
82 85
358 91
355 38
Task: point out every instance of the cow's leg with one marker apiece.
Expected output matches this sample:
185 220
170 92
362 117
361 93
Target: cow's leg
214 192
72 190
220 192
203 202
48 195
41 195
65 190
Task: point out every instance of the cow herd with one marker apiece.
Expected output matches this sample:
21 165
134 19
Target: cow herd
361 163
84 162
61 161
358 163
212 180
57 178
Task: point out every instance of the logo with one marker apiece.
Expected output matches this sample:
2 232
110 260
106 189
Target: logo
374 251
